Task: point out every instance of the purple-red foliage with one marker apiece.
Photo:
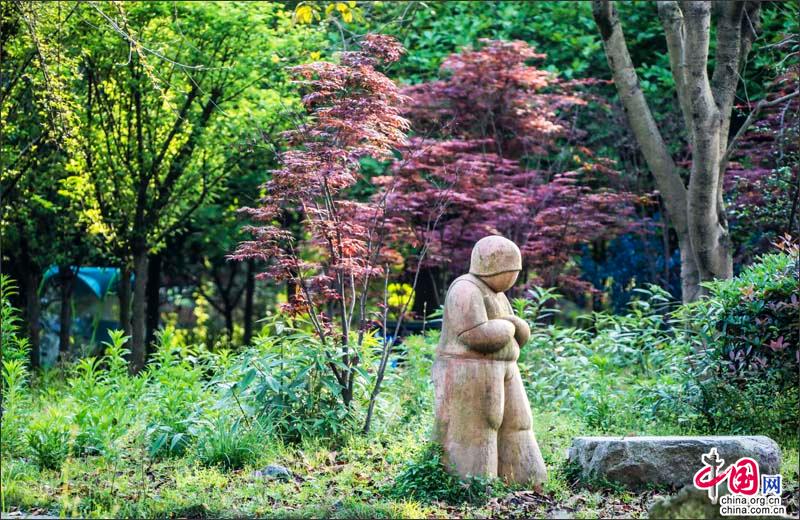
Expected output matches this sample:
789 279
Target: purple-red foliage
495 145
761 181
352 113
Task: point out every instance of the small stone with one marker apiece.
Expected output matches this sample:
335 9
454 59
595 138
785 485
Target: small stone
642 462
275 471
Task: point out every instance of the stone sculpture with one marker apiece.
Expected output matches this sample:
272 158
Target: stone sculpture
483 419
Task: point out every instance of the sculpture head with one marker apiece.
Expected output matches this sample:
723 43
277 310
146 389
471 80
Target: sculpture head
497 261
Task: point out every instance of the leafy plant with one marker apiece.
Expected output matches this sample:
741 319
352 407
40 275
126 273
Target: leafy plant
426 479
49 440
604 370
14 344
746 335
227 443
285 383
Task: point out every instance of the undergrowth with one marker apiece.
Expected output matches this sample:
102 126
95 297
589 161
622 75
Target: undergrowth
426 479
188 435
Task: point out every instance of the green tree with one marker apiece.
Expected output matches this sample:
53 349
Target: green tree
165 88
38 113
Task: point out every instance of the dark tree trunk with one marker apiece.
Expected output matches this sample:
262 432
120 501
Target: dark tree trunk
30 288
228 313
426 298
138 312
124 292
153 301
249 293
67 283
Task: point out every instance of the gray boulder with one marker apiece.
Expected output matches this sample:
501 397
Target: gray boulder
642 462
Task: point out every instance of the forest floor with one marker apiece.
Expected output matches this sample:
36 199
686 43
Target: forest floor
348 482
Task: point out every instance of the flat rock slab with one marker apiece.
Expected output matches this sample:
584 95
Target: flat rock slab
641 462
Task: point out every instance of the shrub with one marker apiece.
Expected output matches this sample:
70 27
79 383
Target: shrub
426 479
174 383
15 378
285 383
744 372
49 440
601 370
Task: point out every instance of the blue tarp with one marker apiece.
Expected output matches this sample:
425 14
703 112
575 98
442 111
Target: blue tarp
96 280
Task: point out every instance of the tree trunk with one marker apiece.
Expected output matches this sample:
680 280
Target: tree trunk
250 290
228 313
124 293
138 352
698 213
67 278
153 301
690 276
707 223
30 280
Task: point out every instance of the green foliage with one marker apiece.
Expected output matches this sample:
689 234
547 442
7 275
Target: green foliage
14 356
13 341
93 428
426 479
745 336
229 444
175 381
49 439
15 400
432 31
599 371
225 75
285 382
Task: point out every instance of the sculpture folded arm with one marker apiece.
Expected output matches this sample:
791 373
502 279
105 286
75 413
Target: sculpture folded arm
489 336
522 332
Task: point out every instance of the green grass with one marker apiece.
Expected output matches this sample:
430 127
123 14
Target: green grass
347 482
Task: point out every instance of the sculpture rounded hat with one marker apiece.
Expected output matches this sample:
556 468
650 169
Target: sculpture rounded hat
493 255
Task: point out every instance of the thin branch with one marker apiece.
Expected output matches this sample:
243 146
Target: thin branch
749 121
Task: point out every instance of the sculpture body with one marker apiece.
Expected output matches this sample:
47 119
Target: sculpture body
483 418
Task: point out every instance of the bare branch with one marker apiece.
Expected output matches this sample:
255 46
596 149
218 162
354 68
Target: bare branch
749 121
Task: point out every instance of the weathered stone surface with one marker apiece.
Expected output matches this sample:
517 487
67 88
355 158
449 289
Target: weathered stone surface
639 462
483 419
275 471
494 254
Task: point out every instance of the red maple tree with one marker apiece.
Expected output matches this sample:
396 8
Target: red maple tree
496 142
353 113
